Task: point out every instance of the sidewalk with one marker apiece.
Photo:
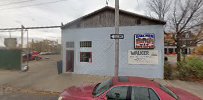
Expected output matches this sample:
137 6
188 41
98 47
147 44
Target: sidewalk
192 87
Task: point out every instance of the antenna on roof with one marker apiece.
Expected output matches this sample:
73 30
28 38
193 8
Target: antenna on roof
107 2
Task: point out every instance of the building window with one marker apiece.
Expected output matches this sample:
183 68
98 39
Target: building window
69 44
187 35
85 44
138 21
165 50
86 57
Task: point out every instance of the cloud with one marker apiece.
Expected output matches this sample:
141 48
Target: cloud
55 13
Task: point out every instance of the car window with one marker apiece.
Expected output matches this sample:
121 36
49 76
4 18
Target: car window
166 90
118 93
140 93
104 86
153 95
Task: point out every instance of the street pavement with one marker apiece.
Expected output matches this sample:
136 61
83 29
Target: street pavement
14 93
43 79
19 96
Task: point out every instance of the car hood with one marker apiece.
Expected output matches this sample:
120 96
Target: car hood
183 95
78 93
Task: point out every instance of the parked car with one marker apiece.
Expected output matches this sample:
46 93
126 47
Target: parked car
47 53
36 55
126 88
31 56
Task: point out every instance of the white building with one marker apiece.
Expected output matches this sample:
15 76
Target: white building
88 49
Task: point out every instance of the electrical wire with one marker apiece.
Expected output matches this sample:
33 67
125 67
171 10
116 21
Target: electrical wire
5 31
18 2
38 4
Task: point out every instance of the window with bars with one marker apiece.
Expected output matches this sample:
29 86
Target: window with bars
86 57
85 44
69 44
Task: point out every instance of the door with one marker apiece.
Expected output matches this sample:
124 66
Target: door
69 60
119 93
142 93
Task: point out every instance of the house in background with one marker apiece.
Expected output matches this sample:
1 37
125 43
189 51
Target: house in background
187 41
88 49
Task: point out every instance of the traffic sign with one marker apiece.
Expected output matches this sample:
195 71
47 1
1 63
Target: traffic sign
117 36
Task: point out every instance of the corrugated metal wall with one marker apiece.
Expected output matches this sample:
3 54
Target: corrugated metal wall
10 59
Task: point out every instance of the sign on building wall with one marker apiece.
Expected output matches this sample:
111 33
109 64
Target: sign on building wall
143 57
144 41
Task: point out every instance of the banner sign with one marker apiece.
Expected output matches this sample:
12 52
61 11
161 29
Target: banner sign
143 57
144 41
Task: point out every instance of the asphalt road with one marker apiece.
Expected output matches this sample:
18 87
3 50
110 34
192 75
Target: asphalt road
17 96
43 77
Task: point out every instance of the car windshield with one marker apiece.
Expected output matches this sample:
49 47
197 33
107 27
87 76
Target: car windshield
165 89
101 88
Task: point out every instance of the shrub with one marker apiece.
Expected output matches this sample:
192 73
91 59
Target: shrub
192 68
167 71
199 50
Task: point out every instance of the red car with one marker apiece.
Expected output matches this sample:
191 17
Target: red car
31 56
126 88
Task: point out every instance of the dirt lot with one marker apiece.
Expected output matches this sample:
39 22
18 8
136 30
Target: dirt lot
43 76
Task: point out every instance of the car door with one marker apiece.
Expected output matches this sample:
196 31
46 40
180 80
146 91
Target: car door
119 93
143 93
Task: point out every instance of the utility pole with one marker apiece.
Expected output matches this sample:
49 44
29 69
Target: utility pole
107 2
9 34
22 27
28 52
116 40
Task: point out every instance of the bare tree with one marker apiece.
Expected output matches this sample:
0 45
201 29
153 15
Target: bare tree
159 7
186 16
45 46
199 35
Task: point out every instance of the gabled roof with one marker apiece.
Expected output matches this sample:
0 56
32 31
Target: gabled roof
107 8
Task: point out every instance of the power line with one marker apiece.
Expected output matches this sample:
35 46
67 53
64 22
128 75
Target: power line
17 2
8 31
5 29
38 4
